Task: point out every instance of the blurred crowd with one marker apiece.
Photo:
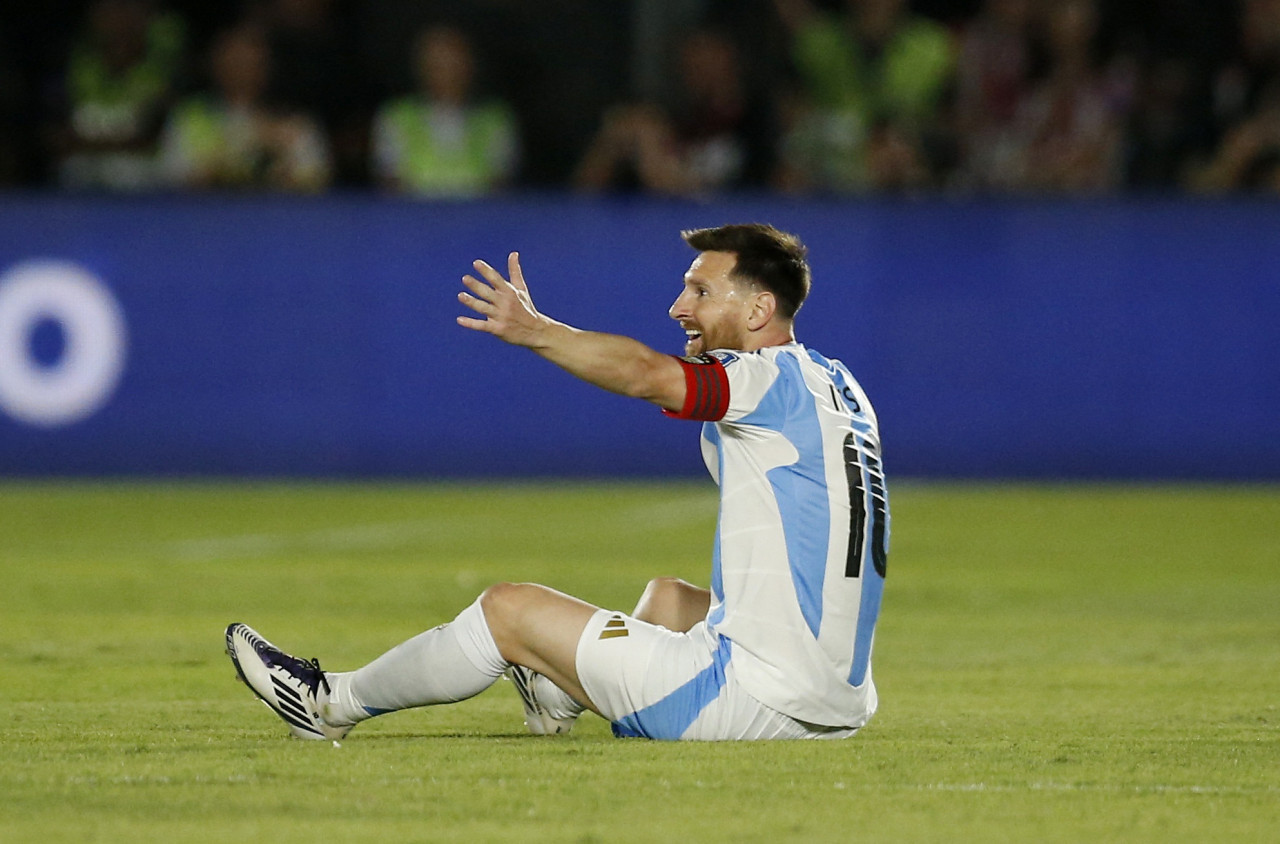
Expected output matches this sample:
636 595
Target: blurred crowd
673 97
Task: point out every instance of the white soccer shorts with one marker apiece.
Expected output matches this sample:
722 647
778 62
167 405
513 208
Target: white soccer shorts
653 683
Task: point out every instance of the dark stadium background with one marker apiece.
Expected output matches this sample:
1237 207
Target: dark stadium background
1122 333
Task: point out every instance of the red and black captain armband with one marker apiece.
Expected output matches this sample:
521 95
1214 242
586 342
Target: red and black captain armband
706 389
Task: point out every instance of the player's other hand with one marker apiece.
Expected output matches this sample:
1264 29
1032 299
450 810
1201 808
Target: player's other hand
504 307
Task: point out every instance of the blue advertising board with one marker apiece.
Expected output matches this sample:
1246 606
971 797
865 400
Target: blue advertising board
316 336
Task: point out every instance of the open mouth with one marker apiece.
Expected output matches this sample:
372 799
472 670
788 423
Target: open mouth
691 338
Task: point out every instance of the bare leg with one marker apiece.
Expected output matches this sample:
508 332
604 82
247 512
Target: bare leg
539 628
673 603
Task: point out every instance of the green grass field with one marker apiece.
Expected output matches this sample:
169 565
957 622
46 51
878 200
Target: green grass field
1071 663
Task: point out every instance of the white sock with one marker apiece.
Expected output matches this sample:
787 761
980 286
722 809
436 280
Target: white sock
452 662
555 699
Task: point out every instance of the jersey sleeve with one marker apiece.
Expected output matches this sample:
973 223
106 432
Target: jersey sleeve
751 376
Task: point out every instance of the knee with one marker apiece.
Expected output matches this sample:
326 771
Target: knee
501 603
665 588
673 603
662 602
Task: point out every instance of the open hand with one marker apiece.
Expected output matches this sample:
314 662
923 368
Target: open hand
505 308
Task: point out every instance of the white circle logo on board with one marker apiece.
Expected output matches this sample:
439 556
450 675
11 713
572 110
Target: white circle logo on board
85 373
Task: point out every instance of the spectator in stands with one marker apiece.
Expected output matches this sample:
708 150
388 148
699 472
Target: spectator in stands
1245 82
1071 124
1248 159
873 80
118 82
718 136
314 71
1169 124
1248 109
443 141
993 81
233 138
12 107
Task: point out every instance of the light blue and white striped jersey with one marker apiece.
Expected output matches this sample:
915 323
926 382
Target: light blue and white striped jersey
803 532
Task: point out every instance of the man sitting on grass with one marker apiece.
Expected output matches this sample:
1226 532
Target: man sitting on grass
780 645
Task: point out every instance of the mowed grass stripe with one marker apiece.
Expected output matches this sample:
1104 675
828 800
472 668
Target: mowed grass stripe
1056 663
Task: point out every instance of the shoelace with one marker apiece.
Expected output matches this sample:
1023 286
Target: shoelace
277 657
314 663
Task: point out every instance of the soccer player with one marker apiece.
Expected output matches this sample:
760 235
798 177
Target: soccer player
780 645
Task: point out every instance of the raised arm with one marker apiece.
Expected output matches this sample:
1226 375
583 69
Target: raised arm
616 363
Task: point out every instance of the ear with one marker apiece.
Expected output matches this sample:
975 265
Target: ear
763 306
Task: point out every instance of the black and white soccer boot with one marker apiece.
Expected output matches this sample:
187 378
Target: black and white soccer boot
290 686
539 718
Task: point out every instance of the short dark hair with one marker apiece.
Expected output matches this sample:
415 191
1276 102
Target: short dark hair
770 257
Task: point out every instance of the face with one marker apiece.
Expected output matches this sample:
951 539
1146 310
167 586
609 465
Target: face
714 307
709 64
120 27
445 67
240 66
1072 25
